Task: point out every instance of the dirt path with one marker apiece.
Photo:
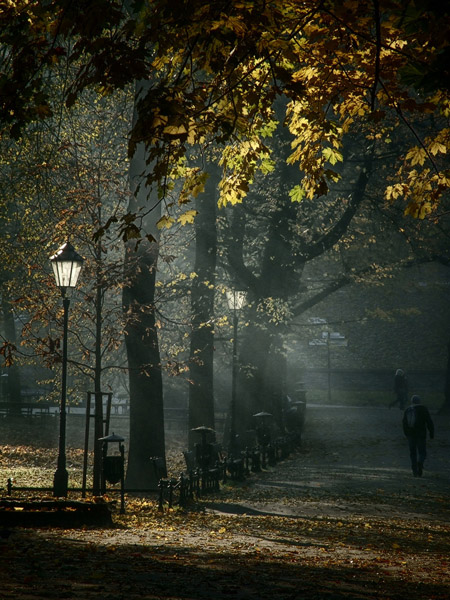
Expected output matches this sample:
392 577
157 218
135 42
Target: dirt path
355 461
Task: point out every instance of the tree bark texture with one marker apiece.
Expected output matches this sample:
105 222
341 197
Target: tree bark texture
147 438
201 388
146 398
261 380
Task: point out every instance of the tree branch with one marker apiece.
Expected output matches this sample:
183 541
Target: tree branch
330 238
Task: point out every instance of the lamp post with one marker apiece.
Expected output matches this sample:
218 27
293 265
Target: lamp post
236 301
66 265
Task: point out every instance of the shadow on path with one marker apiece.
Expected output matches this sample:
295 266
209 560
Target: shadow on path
353 460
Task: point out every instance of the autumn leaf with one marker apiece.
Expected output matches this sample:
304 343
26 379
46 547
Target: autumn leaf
332 155
188 217
437 148
165 222
297 193
416 156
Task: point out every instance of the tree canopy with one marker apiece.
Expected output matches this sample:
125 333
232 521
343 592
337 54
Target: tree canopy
344 81
215 70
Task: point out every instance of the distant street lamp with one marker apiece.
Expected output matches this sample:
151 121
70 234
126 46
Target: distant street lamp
66 265
236 301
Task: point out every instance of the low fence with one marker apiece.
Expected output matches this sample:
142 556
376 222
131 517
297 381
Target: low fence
197 480
207 468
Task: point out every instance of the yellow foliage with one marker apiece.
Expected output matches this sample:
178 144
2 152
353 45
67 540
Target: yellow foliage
437 148
188 217
165 222
332 156
416 156
419 210
395 191
175 129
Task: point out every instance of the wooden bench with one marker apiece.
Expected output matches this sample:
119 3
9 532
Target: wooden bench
209 474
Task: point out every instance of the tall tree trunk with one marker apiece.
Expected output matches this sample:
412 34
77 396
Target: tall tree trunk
146 398
147 437
201 388
261 382
251 397
262 378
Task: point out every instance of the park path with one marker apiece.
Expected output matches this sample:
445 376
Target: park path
354 460
341 518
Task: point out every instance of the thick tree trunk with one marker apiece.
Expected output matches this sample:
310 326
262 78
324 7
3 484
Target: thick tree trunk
201 389
147 437
262 376
261 379
251 396
146 399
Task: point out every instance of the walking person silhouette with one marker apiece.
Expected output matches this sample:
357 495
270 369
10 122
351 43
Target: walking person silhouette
400 389
416 421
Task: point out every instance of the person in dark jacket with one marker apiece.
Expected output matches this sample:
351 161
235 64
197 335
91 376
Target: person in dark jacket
416 421
400 389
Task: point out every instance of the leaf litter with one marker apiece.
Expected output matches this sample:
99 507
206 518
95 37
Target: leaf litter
258 539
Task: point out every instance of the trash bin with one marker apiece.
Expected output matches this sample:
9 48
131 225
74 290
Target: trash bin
113 466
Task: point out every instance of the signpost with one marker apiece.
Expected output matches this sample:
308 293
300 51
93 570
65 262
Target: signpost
328 339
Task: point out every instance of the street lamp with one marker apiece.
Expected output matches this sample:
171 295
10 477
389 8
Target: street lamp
236 301
66 265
